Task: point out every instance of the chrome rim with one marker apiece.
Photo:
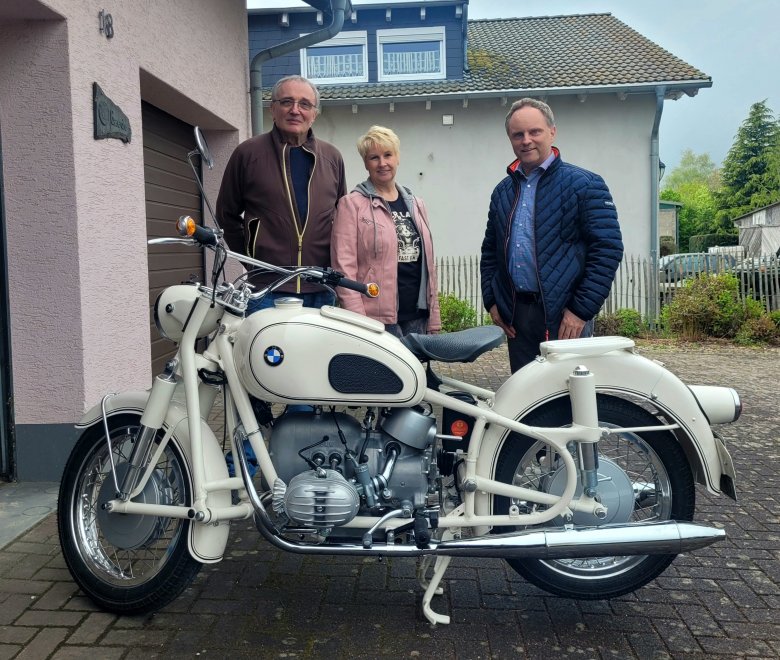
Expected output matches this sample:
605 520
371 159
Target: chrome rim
123 549
624 458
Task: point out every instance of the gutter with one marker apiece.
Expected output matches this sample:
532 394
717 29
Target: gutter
660 93
670 87
338 9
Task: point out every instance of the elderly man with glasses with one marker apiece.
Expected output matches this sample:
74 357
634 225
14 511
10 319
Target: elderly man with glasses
279 193
277 201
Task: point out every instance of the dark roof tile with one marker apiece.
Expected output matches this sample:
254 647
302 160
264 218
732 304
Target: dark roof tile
544 53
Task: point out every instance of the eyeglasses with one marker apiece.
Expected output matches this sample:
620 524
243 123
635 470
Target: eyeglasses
288 103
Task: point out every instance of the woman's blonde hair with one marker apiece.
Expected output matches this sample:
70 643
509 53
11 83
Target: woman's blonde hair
379 136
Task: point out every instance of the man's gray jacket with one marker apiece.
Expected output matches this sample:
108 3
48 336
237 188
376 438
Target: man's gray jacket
578 243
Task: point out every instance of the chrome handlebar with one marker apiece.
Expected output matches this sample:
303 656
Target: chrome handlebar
214 239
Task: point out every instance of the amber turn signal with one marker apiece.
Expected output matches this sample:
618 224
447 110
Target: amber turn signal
186 226
372 289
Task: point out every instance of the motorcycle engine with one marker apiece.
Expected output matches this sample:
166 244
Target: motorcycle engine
320 498
336 468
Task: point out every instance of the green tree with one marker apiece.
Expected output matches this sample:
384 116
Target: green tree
697 214
693 168
694 183
772 173
750 169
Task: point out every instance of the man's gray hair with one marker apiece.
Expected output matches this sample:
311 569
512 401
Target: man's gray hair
541 106
296 78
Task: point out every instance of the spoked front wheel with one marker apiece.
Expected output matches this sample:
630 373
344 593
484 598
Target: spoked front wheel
128 564
643 477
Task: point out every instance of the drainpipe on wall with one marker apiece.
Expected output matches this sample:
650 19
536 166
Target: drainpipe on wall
465 30
660 92
338 8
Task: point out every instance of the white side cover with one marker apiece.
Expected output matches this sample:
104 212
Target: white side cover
617 371
206 542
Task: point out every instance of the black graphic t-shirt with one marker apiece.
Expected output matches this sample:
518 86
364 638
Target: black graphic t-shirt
409 261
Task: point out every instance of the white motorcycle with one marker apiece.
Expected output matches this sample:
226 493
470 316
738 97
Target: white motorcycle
579 470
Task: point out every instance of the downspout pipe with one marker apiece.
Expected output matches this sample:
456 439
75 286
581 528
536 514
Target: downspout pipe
660 93
465 30
338 9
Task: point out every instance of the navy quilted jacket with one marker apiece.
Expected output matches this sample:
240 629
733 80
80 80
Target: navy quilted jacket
578 243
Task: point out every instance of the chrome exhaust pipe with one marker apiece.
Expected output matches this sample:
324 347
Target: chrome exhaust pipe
661 538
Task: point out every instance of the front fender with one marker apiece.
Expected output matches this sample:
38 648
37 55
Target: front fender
126 402
206 542
618 371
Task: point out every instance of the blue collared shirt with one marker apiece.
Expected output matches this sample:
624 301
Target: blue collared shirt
522 239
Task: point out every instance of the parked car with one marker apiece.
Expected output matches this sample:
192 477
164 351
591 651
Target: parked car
762 264
760 278
675 268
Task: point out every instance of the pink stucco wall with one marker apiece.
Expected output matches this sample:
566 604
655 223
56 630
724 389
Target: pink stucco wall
75 211
42 224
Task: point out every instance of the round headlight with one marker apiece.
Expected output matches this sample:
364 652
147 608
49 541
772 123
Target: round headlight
172 309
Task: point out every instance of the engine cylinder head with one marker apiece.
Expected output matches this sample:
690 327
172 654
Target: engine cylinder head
321 499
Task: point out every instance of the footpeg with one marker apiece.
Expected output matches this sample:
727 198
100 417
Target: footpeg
422 535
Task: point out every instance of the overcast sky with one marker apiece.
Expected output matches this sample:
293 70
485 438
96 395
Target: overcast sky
735 43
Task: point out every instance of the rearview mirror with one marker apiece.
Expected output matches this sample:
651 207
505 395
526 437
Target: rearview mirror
203 148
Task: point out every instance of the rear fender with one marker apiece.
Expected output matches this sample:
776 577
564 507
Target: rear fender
206 542
621 372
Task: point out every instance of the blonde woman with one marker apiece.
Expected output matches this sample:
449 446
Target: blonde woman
381 234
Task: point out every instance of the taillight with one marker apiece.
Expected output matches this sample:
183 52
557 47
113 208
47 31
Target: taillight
459 427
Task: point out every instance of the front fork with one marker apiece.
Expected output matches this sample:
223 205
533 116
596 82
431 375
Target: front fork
151 421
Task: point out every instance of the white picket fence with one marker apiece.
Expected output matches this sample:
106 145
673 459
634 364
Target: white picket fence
636 284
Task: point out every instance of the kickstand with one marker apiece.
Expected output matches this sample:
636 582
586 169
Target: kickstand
432 587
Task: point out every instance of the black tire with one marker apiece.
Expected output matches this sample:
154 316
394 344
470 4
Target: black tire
127 564
651 478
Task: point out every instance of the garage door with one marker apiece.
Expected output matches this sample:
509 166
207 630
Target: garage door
171 191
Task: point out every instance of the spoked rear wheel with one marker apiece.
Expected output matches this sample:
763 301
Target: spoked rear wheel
128 564
643 477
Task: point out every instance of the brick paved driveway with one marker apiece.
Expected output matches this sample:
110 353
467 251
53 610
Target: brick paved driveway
721 601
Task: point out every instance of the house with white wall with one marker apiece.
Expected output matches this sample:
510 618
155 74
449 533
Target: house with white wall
444 83
97 106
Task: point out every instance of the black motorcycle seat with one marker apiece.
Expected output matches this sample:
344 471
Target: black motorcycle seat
461 346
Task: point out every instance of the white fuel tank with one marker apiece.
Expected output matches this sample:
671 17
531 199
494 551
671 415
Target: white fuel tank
296 354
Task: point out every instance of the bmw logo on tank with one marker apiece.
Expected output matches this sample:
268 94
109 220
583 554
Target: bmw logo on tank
273 356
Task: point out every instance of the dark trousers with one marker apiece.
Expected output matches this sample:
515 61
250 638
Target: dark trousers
528 323
403 328
529 326
316 299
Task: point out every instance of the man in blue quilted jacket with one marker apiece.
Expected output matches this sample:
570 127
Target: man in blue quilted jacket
552 242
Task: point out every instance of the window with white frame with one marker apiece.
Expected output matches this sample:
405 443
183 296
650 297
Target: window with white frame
411 54
341 59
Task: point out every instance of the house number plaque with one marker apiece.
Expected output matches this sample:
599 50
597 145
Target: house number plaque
106 24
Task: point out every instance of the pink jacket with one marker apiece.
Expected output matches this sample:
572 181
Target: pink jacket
364 246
